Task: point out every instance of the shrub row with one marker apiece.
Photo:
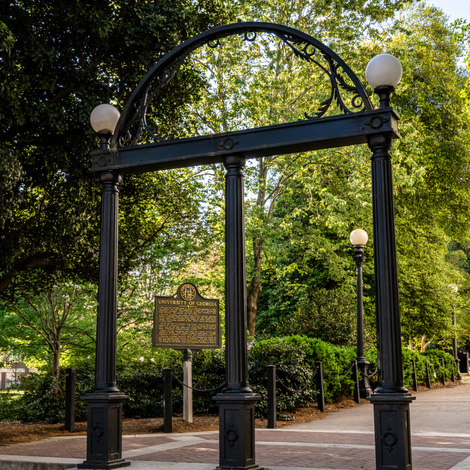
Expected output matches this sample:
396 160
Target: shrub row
294 356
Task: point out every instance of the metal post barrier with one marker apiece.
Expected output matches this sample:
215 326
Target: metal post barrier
428 378
320 386
70 379
357 393
272 402
443 379
415 378
167 401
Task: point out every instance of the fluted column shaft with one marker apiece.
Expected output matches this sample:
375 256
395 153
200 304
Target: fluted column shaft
105 372
104 423
386 277
390 399
235 278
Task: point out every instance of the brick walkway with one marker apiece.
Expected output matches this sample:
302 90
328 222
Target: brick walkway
274 448
440 425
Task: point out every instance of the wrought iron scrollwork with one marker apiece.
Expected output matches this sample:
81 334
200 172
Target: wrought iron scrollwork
132 132
305 50
133 122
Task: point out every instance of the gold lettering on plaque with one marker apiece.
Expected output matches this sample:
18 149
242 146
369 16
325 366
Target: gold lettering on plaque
186 320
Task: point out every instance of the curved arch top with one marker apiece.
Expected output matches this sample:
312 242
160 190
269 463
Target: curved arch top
302 45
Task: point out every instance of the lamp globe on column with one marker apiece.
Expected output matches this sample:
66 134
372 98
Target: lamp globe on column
383 73
104 119
359 237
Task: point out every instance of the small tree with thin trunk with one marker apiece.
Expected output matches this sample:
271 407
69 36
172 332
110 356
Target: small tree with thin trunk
45 324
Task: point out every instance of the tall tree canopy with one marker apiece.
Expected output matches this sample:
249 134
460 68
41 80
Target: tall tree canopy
57 61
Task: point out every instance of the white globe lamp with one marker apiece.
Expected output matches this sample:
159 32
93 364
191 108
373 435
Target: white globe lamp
384 70
104 119
358 237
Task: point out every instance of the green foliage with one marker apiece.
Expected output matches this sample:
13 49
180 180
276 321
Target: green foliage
321 203
324 314
60 60
433 358
40 327
294 357
44 398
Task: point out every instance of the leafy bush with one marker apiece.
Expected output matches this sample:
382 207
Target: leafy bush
433 357
326 314
44 398
294 357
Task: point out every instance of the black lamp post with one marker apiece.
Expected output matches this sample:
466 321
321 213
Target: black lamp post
391 399
359 238
104 426
455 351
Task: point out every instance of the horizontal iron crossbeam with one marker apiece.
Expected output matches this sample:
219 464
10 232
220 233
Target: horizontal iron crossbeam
300 136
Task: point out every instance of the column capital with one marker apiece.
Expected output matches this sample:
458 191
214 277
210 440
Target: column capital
231 161
110 177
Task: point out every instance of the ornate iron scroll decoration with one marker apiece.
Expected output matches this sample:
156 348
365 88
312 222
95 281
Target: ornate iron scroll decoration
133 121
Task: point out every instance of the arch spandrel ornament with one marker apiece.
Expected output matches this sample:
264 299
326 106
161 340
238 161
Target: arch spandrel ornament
133 124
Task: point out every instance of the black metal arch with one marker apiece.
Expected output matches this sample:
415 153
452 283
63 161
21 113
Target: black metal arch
302 45
376 127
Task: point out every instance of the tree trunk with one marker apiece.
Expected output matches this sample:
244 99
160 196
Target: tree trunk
255 287
55 360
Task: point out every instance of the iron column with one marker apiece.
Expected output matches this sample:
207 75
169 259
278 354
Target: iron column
391 399
104 421
237 401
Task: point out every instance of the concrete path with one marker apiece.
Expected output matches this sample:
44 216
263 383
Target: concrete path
440 425
443 410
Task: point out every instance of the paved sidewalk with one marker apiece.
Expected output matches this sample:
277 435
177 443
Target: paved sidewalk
440 424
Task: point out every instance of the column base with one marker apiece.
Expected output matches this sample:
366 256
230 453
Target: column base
104 431
237 431
392 430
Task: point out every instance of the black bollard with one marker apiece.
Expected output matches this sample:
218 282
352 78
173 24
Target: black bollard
70 379
320 386
443 379
272 402
415 378
167 401
428 378
355 377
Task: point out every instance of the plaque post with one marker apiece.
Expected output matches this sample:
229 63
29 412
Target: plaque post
237 401
187 388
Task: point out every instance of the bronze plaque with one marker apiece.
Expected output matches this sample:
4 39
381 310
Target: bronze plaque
186 320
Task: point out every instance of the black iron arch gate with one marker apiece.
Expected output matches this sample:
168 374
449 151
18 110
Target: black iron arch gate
124 155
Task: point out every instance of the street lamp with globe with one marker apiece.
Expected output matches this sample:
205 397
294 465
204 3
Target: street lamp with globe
359 238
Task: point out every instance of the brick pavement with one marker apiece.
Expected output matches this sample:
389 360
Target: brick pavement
274 448
440 425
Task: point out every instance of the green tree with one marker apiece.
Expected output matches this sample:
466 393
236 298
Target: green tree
260 81
59 60
59 320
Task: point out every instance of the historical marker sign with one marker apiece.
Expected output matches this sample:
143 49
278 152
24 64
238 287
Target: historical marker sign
186 320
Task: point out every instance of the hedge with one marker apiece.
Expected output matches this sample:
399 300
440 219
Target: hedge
294 356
